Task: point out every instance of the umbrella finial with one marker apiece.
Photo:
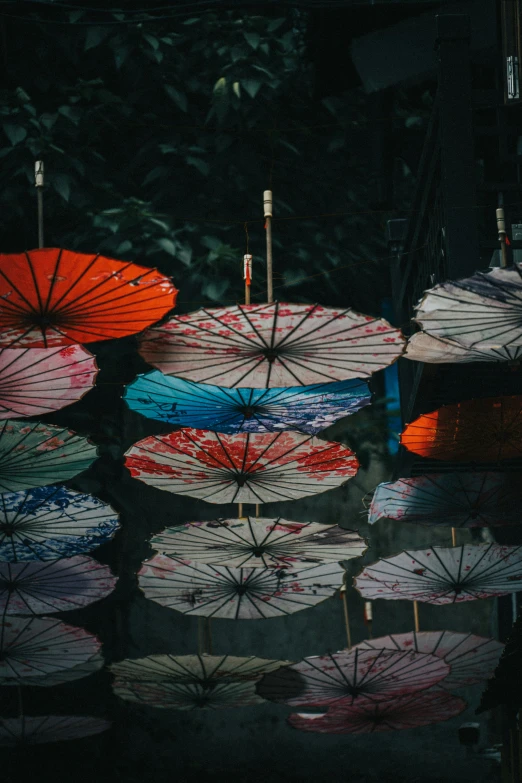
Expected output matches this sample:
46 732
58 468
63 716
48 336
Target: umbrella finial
502 236
39 184
247 275
267 206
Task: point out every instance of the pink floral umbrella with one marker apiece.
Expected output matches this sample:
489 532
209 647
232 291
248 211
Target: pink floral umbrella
243 468
35 381
271 345
408 712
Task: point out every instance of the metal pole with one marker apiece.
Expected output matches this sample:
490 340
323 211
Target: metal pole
39 184
267 204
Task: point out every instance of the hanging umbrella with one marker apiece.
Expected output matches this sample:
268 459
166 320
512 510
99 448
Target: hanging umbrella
451 499
38 646
472 658
271 345
48 728
191 681
483 430
35 381
91 666
352 677
46 523
236 593
423 347
407 712
480 311
53 586
188 404
244 468
32 455
441 575
259 542
53 297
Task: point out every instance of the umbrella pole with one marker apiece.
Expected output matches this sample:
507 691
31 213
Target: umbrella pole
346 615
502 235
453 536
416 616
240 511
267 203
204 636
39 184
258 509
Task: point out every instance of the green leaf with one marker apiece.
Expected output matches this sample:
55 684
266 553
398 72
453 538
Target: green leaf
201 165
179 98
15 133
124 247
167 245
155 173
185 255
253 39
274 25
152 41
94 37
237 89
220 86
212 243
61 184
215 289
72 114
252 86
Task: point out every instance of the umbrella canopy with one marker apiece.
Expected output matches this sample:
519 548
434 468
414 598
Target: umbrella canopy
352 677
54 586
423 347
259 542
472 658
188 404
451 499
33 455
271 345
244 468
48 728
236 593
190 682
407 712
35 381
46 523
38 646
444 575
480 311
54 297
78 672
484 430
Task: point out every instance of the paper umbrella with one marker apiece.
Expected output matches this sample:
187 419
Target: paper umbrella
452 499
352 677
472 658
244 468
53 297
29 730
46 523
236 593
40 646
187 404
190 682
259 542
35 381
482 430
33 455
444 575
271 345
423 347
78 672
53 586
482 311
406 712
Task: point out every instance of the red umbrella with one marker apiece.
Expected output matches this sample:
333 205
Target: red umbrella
245 468
408 712
34 381
54 297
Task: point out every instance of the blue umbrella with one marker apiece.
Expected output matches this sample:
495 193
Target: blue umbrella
187 404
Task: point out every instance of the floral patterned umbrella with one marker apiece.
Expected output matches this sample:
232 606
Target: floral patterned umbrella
480 311
53 586
472 658
441 575
33 455
352 677
34 381
244 468
78 672
423 347
407 712
46 523
259 542
53 297
271 345
48 728
190 682
451 499
39 646
483 430
236 593
188 404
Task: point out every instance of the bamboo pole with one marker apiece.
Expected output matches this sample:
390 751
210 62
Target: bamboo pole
258 509
240 511
247 275
39 184
502 235
453 536
416 616
267 204
344 597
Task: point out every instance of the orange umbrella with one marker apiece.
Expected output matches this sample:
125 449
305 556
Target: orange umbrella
484 430
52 297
